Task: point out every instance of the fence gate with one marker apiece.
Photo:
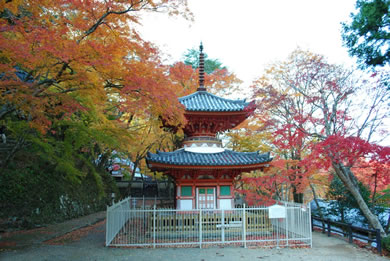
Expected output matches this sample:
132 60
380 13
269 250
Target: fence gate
199 227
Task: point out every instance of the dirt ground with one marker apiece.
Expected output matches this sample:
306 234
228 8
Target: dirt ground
87 243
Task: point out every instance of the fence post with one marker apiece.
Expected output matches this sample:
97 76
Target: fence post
323 222
379 241
200 228
122 215
312 225
154 226
107 221
286 220
223 225
244 225
327 222
350 235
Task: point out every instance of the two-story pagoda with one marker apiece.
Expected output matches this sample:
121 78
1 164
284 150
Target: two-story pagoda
202 169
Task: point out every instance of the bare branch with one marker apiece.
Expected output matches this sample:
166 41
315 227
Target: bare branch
108 12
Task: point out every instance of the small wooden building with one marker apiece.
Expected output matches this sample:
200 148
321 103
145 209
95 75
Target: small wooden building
203 170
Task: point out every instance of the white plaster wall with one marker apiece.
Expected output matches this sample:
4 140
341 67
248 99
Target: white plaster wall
225 203
185 204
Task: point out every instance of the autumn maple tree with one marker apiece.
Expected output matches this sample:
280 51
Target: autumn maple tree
334 125
373 174
280 113
249 136
63 57
76 81
66 47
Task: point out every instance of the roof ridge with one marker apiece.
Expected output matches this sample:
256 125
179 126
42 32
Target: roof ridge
243 152
187 96
210 94
226 99
159 152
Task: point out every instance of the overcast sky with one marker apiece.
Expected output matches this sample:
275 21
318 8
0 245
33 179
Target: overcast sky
245 35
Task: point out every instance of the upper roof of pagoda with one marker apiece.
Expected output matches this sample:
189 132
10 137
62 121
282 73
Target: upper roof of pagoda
183 157
207 102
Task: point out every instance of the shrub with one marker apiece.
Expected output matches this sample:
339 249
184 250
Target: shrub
386 243
34 194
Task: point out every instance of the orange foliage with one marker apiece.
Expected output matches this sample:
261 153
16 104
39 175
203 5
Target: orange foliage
220 81
76 55
373 174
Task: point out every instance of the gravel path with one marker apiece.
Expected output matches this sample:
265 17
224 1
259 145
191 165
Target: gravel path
88 244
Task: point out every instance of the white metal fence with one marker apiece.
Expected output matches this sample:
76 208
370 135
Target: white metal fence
197 227
115 221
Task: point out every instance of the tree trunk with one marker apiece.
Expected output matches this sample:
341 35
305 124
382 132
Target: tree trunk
342 212
317 204
298 197
20 142
375 185
350 182
128 192
103 159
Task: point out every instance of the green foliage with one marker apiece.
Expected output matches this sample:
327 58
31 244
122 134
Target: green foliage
367 36
56 175
191 57
383 199
386 243
342 200
32 192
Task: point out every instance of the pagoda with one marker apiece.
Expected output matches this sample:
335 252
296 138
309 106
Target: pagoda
203 170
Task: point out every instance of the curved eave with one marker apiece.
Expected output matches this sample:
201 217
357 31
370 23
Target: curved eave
156 166
216 113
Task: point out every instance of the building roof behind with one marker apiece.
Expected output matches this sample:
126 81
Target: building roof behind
225 158
204 101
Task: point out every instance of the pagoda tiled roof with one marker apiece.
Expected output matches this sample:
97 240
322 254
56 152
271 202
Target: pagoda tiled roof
205 101
182 157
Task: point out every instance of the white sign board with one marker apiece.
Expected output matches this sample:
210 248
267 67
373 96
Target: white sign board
277 211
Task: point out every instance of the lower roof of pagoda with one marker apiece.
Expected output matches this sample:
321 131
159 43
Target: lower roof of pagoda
226 159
